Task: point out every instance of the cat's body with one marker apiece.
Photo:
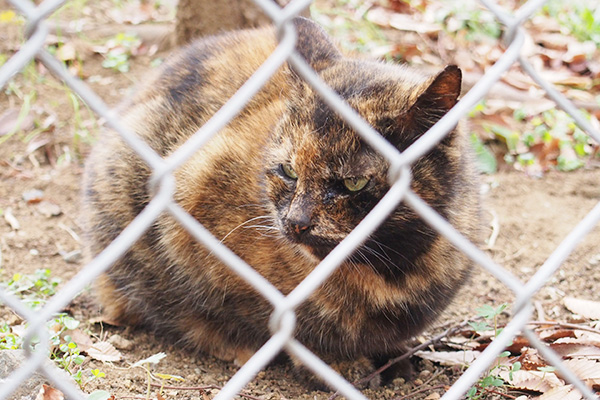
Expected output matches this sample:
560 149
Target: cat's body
283 183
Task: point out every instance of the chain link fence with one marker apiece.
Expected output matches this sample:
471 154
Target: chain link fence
283 318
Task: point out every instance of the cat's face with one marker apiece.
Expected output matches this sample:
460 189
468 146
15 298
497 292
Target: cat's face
321 184
321 179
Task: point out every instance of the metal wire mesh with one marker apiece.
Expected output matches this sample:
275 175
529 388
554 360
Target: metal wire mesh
283 318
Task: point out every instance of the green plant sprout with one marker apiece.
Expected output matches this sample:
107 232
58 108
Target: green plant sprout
162 378
121 47
491 379
580 17
33 289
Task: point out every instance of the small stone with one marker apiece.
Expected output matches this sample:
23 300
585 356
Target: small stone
11 220
72 257
424 374
48 209
120 342
398 381
418 382
33 196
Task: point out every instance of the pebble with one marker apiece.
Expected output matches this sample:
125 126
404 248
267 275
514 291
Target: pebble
33 196
424 374
120 342
48 209
72 257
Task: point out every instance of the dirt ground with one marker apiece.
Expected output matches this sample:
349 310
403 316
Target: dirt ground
531 216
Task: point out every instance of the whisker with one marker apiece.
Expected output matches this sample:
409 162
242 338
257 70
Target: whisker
260 217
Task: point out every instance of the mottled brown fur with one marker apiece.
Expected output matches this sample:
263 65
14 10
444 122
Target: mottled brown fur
388 291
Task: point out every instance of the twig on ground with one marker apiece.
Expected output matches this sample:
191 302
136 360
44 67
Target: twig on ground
411 394
565 325
500 393
540 310
406 355
199 388
495 225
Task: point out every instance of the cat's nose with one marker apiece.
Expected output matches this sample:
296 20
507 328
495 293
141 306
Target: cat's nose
300 225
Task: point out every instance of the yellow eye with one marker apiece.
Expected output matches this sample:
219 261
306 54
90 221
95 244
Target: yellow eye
355 184
289 171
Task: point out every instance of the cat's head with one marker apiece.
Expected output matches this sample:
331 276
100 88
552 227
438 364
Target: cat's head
322 179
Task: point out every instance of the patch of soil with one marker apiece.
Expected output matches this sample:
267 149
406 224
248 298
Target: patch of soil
532 216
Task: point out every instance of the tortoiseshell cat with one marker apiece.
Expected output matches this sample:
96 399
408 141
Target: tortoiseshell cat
281 185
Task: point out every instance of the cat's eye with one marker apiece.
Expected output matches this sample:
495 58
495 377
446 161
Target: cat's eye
289 171
355 184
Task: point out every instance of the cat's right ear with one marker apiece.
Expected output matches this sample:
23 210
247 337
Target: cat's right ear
315 45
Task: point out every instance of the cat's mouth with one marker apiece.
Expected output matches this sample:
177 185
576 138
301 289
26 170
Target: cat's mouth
319 247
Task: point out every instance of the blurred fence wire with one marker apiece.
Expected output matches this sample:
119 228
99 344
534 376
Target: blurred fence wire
283 317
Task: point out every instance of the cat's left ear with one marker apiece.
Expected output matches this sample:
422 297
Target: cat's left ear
315 45
437 99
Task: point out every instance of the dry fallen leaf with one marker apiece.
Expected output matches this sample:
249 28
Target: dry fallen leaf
10 121
450 357
83 340
573 349
104 351
586 308
49 393
584 368
536 381
567 392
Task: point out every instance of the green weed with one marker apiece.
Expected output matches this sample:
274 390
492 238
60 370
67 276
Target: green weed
580 17
491 379
120 51
33 289
469 20
350 26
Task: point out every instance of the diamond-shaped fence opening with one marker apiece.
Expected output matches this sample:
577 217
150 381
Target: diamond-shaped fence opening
283 318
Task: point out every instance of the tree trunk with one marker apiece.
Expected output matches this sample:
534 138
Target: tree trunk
197 18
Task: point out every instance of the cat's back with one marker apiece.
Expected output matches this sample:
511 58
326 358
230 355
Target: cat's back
171 105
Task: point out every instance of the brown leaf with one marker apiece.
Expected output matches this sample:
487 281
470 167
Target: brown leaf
567 392
9 122
530 360
586 308
550 335
104 351
536 381
584 368
83 340
49 393
572 350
